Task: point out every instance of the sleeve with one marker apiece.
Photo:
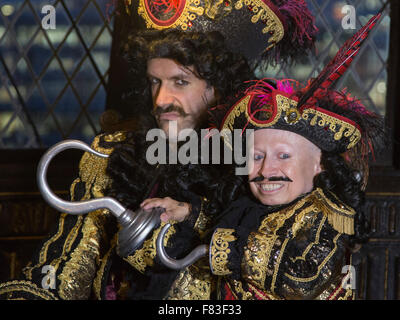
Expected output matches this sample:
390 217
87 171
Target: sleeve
294 261
67 261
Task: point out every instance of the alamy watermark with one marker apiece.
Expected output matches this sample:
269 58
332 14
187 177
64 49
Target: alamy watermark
349 281
49 280
166 151
349 20
49 20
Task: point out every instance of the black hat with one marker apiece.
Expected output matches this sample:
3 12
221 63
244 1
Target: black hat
264 30
332 120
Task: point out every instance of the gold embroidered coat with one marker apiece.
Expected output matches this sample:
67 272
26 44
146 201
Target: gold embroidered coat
297 252
79 246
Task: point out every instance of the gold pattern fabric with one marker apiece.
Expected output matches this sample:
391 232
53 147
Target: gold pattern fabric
80 243
219 251
193 283
10 288
296 253
143 257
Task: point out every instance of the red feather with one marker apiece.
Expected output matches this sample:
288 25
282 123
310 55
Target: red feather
338 65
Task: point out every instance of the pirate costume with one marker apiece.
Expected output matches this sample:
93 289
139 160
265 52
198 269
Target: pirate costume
298 250
83 248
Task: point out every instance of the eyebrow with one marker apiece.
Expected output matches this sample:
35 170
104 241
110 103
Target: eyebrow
183 74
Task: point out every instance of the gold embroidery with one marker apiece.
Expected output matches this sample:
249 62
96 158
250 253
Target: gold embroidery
259 246
262 12
340 217
245 295
183 15
92 170
43 251
285 106
99 277
144 256
190 11
323 120
323 263
303 256
216 9
277 265
219 251
77 276
25 286
192 283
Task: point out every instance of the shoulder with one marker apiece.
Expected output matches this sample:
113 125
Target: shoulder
92 168
105 143
339 215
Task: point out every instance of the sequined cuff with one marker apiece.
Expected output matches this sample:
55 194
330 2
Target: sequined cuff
221 249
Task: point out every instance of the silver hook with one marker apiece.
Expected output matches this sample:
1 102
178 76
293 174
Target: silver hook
79 207
135 225
197 253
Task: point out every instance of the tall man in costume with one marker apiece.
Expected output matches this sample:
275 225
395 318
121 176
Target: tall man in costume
293 232
181 73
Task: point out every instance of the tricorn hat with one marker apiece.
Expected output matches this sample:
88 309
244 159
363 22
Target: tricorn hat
331 119
261 30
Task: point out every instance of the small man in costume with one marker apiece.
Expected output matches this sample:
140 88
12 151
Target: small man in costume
293 232
175 75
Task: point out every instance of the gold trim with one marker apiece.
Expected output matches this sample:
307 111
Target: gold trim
43 251
25 286
261 12
229 122
284 105
219 251
79 271
323 263
189 13
277 265
346 129
316 241
192 283
340 217
144 257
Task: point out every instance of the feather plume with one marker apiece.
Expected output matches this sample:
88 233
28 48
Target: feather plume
338 65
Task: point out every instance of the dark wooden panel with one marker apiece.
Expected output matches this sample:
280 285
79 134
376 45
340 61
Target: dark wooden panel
377 263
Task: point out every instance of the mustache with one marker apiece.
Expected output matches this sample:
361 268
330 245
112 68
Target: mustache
262 178
171 108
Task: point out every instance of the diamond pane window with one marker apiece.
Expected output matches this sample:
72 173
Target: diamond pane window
52 80
366 78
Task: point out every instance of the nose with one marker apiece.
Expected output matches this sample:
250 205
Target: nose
163 97
269 168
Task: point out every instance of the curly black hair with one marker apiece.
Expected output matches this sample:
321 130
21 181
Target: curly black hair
219 67
206 52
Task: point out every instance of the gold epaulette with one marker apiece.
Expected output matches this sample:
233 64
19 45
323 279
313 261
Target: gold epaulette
92 169
340 216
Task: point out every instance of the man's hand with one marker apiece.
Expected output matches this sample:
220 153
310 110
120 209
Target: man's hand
174 210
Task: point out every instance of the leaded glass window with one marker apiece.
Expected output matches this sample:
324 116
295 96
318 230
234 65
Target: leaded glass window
52 78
